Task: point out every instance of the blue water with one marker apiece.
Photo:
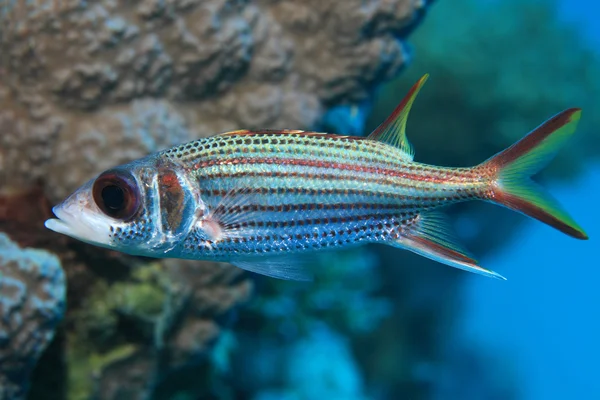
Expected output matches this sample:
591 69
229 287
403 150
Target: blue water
583 13
545 317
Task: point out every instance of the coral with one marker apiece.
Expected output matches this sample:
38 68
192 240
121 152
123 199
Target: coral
297 321
324 359
85 86
135 333
129 324
32 303
143 126
343 294
79 80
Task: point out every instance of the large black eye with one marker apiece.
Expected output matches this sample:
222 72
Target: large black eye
116 194
113 197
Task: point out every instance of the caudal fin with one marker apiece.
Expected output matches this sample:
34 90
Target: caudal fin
514 166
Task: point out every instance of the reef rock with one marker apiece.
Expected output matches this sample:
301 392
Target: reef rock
169 316
32 302
86 85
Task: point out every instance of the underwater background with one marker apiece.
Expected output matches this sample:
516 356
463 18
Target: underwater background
86 85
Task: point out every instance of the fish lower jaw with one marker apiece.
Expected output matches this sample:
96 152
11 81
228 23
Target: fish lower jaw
83 227
58 226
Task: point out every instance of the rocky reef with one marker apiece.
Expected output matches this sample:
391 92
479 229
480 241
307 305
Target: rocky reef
32 302
85 86
131 335
96 84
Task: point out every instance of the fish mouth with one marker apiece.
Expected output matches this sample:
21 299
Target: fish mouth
58 224
81 227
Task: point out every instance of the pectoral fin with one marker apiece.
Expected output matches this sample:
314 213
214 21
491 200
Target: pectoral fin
230 216
431 237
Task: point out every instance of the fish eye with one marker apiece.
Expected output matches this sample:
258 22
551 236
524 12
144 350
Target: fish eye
116 194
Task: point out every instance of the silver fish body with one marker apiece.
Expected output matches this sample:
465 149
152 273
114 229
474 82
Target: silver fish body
256 199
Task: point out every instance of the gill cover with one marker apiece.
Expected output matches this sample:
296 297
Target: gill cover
175 208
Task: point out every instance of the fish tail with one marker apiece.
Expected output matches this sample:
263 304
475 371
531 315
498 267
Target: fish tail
513 167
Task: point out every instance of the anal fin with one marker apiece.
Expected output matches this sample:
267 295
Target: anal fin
291 268
432 237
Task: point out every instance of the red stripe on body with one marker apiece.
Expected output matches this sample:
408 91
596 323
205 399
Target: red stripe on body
328 164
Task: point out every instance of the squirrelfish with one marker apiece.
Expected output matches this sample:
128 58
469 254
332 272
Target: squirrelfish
259 199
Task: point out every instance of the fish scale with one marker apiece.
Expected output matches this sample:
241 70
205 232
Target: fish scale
280 171
348 170
255 198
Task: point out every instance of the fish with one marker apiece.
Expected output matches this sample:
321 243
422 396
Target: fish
263 200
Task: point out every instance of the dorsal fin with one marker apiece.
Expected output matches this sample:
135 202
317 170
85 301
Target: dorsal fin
393 130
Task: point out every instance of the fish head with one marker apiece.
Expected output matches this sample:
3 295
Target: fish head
143 208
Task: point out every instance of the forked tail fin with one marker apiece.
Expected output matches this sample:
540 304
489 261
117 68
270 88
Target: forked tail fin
514 166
